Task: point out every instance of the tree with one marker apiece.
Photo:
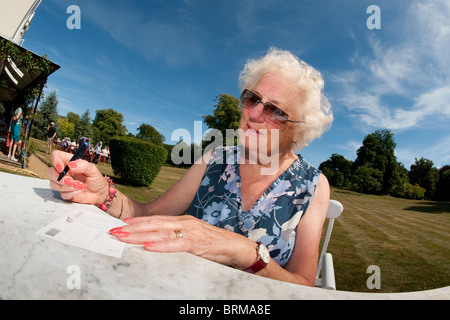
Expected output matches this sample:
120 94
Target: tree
48 112
150 134
67 128
74 119
226 114
377 152
83 128
107 124
338 170
423 173
68 125
368 179
443 186
414 191
402 184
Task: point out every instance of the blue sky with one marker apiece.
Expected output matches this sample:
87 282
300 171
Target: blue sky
163 62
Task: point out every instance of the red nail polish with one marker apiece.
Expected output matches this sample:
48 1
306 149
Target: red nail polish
149 244
72 165
122 234
127 219
59 167
115 230
69 182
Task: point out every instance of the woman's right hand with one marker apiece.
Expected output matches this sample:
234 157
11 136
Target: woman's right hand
83 183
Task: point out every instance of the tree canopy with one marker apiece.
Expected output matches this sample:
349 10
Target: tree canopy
339 170
48 112
423 173
226 114
150 134
377 152
107 124
376 170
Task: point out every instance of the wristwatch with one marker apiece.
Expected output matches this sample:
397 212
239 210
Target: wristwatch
262 260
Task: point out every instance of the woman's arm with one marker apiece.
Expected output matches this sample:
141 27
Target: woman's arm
177 199
229 248
302 265
85 184
17 116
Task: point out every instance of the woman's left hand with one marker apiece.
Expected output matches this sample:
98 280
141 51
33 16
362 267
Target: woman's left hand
159 234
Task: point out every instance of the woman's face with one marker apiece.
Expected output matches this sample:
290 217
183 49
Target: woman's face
257 130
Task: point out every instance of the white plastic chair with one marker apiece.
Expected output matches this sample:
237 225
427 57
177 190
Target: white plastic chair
325 266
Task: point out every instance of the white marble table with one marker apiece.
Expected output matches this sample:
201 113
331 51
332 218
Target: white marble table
34 267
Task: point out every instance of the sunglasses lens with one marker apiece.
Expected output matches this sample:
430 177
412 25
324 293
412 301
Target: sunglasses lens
275 115
249 98
271 113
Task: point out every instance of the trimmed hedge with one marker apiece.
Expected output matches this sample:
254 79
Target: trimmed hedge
136 161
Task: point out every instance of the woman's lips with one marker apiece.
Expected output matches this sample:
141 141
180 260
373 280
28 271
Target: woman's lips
252 131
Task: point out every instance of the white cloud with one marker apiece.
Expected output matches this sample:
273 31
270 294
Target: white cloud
434 101
403 85
437 151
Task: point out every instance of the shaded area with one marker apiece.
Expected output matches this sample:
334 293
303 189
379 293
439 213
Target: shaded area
433 207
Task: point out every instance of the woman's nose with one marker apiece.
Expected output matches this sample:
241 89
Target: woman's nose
256 113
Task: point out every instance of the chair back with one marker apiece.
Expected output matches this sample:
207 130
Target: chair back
335 209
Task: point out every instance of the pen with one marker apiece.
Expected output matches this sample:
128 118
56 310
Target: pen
78 154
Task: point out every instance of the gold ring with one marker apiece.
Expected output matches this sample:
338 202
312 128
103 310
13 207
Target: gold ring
178 234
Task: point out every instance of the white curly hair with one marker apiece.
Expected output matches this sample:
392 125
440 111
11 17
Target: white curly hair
314 106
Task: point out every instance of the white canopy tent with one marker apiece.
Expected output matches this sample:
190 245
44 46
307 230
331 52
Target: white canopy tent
15 18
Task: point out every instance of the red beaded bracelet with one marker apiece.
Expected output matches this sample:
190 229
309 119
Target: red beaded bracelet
112 193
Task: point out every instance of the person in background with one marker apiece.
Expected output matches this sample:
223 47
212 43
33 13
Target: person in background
15 133
105 154
51 133
97 151
65 144
87 153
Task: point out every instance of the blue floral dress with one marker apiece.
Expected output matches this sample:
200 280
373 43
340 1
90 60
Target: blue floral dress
274 217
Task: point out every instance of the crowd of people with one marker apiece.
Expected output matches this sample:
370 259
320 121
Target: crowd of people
19 126
95 154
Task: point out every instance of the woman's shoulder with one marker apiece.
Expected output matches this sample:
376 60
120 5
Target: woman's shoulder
304 168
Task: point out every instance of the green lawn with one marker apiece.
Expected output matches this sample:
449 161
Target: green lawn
409 240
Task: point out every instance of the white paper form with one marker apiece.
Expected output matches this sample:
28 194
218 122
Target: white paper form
87 230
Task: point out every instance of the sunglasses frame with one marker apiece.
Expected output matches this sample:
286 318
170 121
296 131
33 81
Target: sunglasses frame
270 117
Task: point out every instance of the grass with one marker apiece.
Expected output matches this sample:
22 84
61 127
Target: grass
409 240
167 177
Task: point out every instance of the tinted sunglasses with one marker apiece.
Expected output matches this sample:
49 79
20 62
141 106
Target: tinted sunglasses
271 113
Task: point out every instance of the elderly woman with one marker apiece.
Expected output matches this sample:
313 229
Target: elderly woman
229 211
